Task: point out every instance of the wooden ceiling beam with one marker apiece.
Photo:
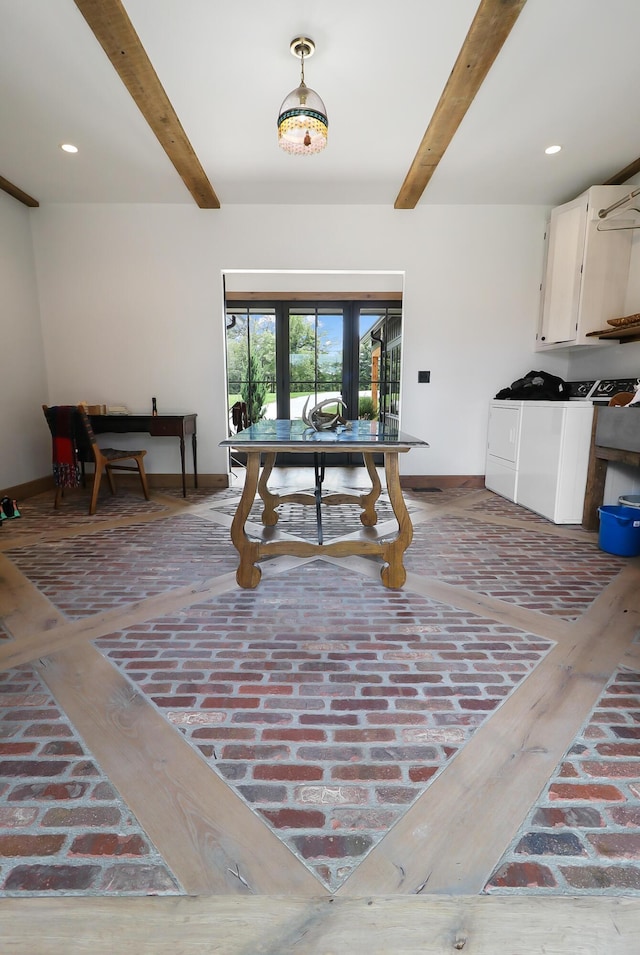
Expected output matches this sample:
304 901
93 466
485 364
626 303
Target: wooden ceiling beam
18 194
491 26
621 177
114 31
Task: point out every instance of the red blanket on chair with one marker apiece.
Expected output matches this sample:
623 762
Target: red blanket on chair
66 469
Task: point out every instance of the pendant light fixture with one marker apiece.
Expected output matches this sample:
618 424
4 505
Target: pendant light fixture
302 121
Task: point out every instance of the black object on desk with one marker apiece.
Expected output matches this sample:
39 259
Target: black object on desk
161 425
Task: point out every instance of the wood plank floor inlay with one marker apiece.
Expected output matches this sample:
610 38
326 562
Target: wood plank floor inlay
325 701
522 565
320 739
61 809
584 830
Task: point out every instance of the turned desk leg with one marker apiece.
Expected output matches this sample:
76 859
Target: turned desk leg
194 448
182 463
393 574
247 575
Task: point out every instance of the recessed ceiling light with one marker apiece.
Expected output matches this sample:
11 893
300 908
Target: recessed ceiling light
69 148
550 150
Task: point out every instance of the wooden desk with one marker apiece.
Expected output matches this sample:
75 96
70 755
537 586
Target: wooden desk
162 425
368 437
615 437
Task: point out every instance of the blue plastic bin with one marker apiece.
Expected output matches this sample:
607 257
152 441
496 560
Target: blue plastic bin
619 530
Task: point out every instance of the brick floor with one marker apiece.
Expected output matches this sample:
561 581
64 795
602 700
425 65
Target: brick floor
337 519
326 701
583 834
39 515
498 507
63 827
550 574
84 575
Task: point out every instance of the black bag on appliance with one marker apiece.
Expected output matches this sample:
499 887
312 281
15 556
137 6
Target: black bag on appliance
536 386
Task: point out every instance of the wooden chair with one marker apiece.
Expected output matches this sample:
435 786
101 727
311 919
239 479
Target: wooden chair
622 398
74 445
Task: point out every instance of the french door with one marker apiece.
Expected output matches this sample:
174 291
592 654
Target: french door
283 354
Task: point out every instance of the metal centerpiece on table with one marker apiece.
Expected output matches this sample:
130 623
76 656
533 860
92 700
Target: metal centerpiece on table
319 420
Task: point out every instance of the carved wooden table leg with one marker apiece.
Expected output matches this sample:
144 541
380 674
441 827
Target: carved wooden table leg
247 575
394 575
270 501
368 501
268 438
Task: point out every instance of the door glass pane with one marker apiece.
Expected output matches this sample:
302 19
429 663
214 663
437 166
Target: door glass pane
393 359
315 355
379 360
324 350
251 362
369 364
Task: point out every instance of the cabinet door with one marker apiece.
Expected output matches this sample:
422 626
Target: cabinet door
563 272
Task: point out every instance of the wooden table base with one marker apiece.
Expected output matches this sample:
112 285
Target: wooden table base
393 573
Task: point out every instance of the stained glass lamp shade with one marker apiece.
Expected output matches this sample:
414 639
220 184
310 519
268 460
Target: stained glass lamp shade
302 120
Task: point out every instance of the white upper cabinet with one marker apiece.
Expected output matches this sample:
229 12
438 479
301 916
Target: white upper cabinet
586 270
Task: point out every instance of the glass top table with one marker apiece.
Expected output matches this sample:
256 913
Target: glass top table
369 437
354 436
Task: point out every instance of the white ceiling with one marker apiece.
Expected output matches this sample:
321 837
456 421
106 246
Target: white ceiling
568 73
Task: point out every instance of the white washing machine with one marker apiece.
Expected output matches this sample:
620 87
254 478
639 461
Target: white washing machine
538 454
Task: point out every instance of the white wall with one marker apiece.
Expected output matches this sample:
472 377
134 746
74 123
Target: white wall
315 281
25 449
131 301
131 306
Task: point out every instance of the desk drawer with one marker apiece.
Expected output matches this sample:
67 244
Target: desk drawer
173 425
119 424
168 425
